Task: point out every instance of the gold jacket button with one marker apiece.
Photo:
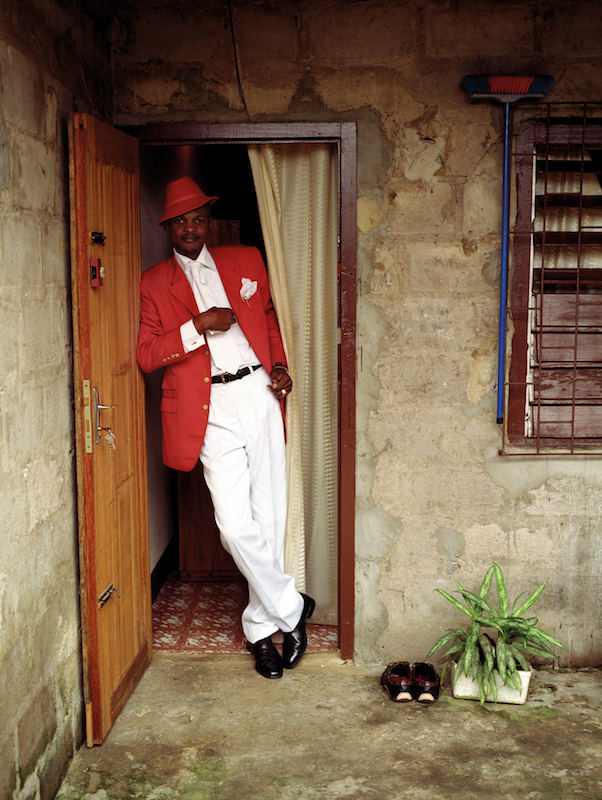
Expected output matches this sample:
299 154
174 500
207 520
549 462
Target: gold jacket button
205 407
206 380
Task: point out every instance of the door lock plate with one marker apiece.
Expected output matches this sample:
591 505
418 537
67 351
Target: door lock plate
87 417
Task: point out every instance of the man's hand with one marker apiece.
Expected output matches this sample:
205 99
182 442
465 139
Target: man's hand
281 383
215 319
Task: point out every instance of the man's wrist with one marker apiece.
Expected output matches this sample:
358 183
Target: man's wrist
198 324
280 364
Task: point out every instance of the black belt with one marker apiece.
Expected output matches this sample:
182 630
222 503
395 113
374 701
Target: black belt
226 377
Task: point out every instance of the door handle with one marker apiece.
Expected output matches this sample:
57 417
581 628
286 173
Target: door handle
97 407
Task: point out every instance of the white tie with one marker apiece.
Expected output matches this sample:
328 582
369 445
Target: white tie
223 350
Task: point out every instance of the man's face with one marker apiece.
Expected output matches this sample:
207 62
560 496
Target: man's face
189 232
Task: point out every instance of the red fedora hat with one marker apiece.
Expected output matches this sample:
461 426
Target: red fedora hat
182 196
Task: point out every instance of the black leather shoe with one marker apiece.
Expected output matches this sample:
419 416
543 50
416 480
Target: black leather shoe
267 659
295 642
425 683
397 681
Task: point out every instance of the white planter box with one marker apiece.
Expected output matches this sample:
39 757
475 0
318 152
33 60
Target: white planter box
468 689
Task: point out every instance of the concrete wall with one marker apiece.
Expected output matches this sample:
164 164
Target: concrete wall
435 501
52 60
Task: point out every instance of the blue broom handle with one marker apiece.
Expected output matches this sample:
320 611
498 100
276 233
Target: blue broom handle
501 372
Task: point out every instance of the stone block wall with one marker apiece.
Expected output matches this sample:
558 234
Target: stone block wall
50 63
435 500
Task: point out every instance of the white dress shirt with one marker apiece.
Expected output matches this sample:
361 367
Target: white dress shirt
210 293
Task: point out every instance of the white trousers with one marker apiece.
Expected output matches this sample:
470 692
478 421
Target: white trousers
245 469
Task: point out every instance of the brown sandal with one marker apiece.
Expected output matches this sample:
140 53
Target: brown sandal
397 681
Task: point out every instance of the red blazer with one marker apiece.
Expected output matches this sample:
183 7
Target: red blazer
167 301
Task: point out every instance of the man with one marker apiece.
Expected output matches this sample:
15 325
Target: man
207 317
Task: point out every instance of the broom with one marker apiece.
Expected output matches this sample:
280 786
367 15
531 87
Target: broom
505 89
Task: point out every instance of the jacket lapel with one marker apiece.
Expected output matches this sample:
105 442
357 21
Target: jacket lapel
230 281
180 287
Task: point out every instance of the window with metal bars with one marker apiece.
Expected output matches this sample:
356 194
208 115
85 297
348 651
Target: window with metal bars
554 391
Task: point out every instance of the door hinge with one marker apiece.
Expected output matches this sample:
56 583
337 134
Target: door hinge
105 596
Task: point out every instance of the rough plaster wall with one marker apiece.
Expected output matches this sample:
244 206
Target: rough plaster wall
434 501
41 80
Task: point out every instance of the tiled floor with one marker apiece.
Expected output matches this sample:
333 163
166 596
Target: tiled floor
191 617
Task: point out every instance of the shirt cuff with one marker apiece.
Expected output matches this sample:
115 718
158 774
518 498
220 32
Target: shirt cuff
191 338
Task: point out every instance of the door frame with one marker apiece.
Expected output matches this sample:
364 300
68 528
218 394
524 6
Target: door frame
344 136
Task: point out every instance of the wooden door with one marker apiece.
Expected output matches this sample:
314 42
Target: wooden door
110 420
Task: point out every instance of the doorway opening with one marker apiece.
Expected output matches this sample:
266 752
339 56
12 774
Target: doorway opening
193 570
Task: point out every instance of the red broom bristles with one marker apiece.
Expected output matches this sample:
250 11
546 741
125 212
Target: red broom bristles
506 88
510 84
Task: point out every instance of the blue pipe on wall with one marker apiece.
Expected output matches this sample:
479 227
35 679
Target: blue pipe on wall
501 358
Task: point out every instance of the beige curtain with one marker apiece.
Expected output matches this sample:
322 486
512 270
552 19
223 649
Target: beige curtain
297 190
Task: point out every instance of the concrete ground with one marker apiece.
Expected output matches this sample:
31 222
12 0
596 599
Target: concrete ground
210 728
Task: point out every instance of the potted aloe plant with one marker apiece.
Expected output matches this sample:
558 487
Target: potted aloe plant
490 654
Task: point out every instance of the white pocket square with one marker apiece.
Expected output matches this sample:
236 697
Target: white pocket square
248 288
